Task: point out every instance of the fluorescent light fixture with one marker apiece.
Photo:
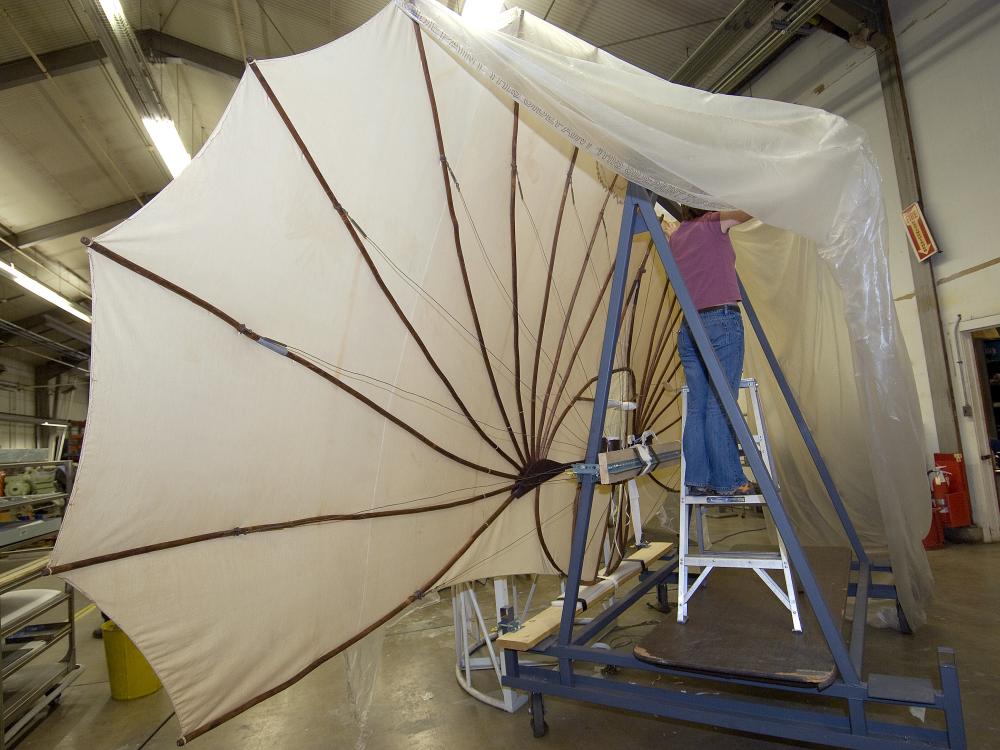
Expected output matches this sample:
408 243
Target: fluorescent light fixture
40 290
113 10
168 142
481 11
53 424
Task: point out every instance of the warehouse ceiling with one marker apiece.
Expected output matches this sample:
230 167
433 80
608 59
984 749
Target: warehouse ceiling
76 159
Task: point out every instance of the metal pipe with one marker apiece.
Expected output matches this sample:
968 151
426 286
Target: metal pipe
239 28
704 54
966 408
767 46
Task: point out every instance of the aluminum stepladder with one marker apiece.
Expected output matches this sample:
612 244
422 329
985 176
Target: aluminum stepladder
708 559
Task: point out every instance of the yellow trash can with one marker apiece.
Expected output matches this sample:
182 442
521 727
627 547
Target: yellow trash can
128 671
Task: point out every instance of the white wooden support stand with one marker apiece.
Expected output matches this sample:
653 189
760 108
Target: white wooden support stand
472 635
706 558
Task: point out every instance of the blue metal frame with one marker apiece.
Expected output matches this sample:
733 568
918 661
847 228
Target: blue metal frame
776 718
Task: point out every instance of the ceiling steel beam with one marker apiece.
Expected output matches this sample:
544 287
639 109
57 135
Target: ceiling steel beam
8 417
58 62
71 225
159 47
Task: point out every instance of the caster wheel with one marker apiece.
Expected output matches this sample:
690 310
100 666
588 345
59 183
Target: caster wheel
539 728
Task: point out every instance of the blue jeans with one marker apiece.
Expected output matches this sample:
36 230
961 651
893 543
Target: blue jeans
710 448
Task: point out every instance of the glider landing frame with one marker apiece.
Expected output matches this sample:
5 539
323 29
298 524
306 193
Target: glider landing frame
770 714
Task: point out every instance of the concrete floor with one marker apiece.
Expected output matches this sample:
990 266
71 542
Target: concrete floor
419 706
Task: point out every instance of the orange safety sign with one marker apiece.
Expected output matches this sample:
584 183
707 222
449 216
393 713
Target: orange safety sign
921 241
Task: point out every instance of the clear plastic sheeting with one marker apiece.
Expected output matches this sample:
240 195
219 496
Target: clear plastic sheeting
364 661
803 312
804 170
365 323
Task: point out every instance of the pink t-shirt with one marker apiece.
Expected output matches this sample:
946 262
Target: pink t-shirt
707 260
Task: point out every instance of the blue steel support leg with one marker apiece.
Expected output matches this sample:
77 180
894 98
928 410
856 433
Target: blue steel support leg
953 699
807 437
860 615
856 715
631 223
829 627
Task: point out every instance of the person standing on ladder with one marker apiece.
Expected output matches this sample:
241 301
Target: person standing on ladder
707 261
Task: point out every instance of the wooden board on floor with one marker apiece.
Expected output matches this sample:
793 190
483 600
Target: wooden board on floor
737 627
536 629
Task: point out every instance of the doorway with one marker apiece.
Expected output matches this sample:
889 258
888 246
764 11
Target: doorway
986 344
978 369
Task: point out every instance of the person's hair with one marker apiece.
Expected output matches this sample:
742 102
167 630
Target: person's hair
690 213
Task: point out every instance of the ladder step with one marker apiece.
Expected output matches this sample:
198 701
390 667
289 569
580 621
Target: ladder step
723 500
736 559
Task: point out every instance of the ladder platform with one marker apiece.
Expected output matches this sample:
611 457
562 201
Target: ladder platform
735 559
724 500
736 631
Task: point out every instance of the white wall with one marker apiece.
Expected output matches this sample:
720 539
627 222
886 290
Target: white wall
950 55
17 396
17 401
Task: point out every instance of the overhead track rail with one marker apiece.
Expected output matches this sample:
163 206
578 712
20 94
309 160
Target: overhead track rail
746 41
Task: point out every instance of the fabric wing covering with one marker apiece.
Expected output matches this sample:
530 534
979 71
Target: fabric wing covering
424 215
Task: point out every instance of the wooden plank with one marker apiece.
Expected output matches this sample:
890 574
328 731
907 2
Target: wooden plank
536 629
653 552
736 627
532 631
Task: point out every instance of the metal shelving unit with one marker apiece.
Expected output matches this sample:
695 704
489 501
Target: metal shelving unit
29 688
14 533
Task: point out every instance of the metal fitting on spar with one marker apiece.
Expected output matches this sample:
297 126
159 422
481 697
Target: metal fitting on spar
275 346
623 405
617 466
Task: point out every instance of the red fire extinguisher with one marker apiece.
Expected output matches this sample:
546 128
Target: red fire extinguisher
958 508
939 508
